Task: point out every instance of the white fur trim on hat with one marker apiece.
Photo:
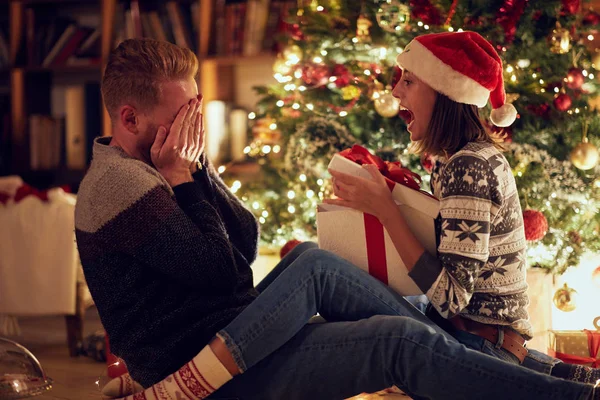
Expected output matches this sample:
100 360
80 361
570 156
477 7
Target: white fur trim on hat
504 116
440 76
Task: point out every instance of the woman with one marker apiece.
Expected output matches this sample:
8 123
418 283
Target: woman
476 284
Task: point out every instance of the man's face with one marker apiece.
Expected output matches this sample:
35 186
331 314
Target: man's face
174 95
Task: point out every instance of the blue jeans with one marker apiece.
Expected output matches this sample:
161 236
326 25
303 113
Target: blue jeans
373 339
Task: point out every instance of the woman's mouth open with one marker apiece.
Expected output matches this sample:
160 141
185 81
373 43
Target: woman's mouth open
407 116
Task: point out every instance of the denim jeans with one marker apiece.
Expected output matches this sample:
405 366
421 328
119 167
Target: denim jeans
373 339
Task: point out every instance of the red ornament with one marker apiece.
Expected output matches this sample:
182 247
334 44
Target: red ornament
591 18
427 162
508 16
343 76
574 78
570 7
425 11
596 276
541 110
315 74
536 225
289 246
563 102
115 366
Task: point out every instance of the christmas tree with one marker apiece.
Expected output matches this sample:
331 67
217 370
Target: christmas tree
335 72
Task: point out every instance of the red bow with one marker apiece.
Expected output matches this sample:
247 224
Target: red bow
392 171
26 190
593 346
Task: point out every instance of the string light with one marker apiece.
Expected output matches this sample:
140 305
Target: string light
450 29
556 90
343 113
302 88
247 149
323 52
262 220
297 74
310 106
221 169
310 194
295 106
320 182
426 27
584 72
590 37
291 194
420 23
255 205
276 149
302 178
460 29
591 76
509 69
320 8
273 126
541 81
354 40
266 149
251 115
317 60
265 213
534 75
513 78
280 103
291 209
367 72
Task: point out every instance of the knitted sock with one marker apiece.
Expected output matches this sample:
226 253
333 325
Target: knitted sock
577 373
121 386
194 381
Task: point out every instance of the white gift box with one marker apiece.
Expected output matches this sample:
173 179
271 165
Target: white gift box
361 239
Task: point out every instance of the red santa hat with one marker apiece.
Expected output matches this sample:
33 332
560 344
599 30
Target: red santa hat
463 66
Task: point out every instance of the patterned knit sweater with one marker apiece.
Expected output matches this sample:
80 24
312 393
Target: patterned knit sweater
480 268
167 267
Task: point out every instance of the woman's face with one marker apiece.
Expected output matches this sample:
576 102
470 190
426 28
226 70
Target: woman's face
418 98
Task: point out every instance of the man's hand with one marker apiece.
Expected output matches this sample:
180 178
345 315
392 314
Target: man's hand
173 154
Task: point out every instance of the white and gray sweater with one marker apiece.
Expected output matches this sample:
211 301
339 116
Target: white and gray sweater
480 268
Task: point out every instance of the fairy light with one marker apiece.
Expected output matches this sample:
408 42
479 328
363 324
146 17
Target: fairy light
262 220
298 74
590 37
280 103
584 72
221 169
265 213
382 53
302 178
255 205
343 113
556 90
320 182
543 90
291 194
291 209
553 195
266 149
591 76
295 106
541 81
513 78
317 60
251 115
367 72
354 40
273 126
302 88
310 194
332 78
276 149
509 69
534 75
426 27
247 149
420 23
460 29
320 8
577 111
450 29
236 186
310 106
323 53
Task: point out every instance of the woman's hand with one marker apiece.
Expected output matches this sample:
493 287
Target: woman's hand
369 196
173 154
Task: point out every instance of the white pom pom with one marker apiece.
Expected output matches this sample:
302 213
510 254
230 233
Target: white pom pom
504 116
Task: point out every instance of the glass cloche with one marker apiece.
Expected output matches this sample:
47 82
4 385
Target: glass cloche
21 374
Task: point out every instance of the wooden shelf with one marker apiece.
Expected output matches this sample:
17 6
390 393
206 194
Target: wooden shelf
66 69
27 2
239 59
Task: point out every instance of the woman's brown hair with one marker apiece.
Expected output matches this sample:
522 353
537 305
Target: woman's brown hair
452 126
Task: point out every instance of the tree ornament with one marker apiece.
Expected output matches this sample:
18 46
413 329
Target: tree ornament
281 66
575 78
292 54
393 16
565 298
596 277
362 29
560 40
562 102
386 104
265 131
289 246
342 75
585 155
315 74
536 225
350 92
570 6
596 59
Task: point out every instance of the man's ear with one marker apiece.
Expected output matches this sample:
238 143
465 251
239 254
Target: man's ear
129 119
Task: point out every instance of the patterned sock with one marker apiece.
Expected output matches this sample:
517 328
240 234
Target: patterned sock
194 381
122 385
577 373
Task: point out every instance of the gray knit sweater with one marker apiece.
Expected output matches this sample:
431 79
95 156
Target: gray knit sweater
167 267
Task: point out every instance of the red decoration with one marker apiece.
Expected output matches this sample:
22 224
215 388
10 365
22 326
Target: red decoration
596 277
427 162
541 110
508 16
426 12
315 74
574 78
343 76
289 246
570 6
116 366
563 102
593 348
26 190
591 18
536 225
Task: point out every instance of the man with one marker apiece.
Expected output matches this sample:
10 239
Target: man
166 250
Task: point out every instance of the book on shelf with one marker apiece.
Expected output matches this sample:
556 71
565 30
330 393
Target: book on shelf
83 122
45 140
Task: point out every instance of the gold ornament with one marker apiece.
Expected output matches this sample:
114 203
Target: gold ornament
565 298
265 131
386 104
281 66
560 40
350 92
393 16
362 29
292 54
585 155
596 59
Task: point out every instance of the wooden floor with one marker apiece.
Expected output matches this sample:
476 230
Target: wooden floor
74 378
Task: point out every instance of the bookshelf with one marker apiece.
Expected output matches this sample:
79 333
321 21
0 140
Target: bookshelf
29 78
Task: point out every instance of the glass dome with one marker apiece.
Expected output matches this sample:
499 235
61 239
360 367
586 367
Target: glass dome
21 374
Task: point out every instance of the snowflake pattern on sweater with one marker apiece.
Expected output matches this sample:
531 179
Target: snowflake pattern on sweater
481 265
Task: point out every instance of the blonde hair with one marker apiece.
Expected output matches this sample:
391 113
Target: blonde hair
136 70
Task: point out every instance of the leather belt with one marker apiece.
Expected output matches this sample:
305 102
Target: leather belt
513 342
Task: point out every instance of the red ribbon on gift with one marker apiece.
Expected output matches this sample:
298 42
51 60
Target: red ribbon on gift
26 190
394 173
593 346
